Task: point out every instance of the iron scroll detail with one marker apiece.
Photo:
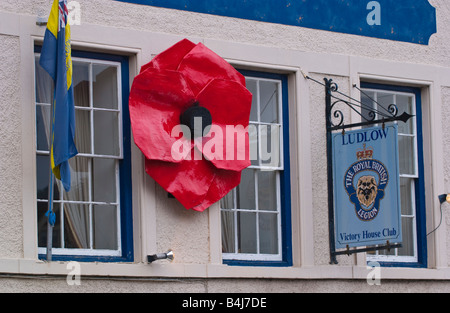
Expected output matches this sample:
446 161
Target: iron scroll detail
369 115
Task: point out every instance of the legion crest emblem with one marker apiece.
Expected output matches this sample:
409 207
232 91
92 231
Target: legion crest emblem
365 182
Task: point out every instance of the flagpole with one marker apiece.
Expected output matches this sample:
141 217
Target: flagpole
49 225
50 212
54 60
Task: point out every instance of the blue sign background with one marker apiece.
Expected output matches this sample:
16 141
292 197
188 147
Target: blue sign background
410 21
358 225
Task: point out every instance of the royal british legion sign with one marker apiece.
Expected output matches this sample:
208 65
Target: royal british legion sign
366 187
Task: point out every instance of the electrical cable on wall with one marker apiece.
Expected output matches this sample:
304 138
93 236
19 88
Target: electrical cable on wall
442 198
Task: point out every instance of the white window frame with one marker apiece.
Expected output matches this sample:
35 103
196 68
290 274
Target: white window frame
261 167
91 251
377 257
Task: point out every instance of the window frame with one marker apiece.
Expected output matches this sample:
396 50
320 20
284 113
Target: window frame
419 183
283 183
125 227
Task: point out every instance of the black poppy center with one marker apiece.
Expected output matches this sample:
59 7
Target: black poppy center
197 119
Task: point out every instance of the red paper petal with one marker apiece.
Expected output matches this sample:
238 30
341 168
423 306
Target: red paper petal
227 144
157 99
188 181
171 58
228 102
223 183
201 65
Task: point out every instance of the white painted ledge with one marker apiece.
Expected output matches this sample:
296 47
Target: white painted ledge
165 269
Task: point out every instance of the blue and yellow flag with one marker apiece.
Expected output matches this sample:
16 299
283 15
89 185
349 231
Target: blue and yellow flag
56 60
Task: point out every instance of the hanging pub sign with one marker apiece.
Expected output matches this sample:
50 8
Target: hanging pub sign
413 21
366 187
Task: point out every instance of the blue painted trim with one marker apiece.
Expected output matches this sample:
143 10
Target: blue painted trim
419 183
126 205
413 22
285 182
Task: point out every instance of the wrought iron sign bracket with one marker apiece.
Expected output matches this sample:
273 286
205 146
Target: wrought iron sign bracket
385 115
335 121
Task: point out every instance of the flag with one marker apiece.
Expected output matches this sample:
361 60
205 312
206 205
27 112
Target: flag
56 60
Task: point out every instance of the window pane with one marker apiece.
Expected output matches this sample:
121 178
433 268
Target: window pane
80 83
105 226
227 202
406 193
246 190
106 133
407 154
269 101
267 190
253 137
268 233
368 104
44 85
252 87
407 248
105 86
42 177
83 131
385 99
76 226
228 231
270 145
42 126
104 180
247 232
79 189
404 104
42 225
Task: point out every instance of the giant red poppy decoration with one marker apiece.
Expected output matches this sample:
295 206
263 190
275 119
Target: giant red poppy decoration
189 114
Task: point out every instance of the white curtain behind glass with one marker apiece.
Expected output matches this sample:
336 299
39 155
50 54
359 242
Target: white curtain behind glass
77 214
227 221
76 226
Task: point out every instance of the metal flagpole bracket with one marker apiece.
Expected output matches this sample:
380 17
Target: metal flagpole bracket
41 21
335 121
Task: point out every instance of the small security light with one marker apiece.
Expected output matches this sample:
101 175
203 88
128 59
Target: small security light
160 256
444 197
